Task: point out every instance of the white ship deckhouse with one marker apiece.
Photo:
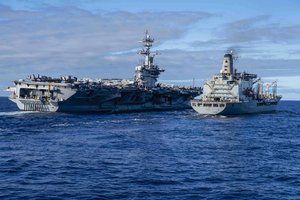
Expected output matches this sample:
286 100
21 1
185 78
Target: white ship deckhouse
231 93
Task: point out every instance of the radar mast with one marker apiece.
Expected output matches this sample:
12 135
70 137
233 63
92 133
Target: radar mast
146 73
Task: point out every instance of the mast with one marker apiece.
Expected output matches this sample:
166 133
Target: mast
146 73
147 43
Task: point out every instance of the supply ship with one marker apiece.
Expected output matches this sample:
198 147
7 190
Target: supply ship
70 94
233 93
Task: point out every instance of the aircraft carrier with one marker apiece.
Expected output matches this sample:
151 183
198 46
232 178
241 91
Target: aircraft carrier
233 93
70 94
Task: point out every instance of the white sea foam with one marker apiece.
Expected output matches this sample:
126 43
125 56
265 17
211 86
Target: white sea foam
16 113
62 125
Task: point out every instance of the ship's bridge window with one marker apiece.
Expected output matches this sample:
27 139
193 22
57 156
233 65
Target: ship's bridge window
215 105
199 104
221 105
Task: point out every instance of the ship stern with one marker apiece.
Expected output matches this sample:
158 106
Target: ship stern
208 108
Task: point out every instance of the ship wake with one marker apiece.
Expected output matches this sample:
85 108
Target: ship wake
15 113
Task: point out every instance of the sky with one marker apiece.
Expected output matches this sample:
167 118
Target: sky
100 38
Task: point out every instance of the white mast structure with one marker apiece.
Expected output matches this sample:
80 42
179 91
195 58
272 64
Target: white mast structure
146 73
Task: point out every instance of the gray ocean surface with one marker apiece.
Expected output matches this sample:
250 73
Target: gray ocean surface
153 155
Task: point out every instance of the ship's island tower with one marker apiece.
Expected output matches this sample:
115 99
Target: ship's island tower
146 73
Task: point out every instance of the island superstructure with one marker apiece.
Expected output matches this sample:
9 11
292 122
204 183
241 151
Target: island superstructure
232 93
70 94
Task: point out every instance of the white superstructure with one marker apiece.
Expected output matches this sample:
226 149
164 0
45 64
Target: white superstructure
231 93
147 73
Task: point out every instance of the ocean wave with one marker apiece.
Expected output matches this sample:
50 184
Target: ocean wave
154 155
13 113
62 125
289 112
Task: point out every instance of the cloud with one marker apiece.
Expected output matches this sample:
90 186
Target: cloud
255 38
60 37
63 40
67 40
259 28
287 86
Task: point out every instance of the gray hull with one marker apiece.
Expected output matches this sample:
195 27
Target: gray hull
111 100
119 108
230 108
125 102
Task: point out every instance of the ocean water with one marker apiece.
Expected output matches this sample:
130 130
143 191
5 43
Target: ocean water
154 155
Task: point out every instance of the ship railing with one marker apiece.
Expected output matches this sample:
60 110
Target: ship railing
36 107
